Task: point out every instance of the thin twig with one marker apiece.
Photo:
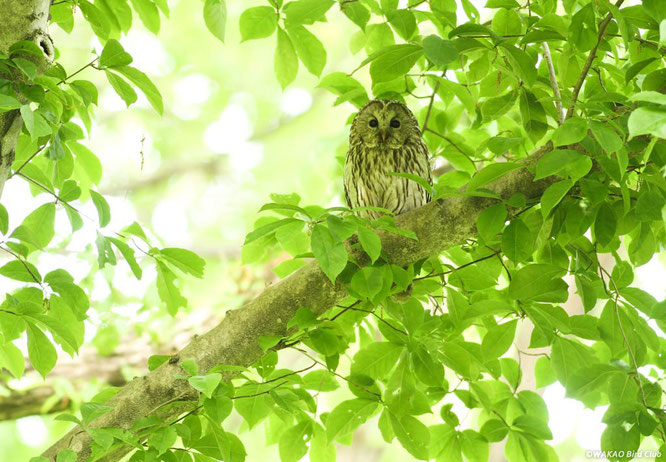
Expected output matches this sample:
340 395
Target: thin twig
590 58
78 71
448 140
433 275
25 265
553 83
379 396
432 101
41 148
261 392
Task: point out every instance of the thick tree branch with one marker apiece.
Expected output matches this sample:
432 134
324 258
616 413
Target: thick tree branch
20 20
438 225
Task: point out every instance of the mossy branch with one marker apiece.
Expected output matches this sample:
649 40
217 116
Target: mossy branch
438 225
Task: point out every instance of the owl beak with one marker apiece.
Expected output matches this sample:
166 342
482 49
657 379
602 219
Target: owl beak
382 134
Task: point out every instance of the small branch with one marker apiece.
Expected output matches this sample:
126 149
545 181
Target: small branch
473 262
553 83
432 101
590 58
261 392
91 63
379 396
448 140
41 148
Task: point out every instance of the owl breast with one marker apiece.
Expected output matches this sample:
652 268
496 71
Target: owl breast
368 183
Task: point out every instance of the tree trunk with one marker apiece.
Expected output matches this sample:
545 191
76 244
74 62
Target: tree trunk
20 20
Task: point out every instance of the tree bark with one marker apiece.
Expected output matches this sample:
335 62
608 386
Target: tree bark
20 20
438 225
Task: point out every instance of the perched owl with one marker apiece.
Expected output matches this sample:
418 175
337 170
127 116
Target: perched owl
385 138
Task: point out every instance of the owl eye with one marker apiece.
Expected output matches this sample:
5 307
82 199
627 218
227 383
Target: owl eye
395 123
373 123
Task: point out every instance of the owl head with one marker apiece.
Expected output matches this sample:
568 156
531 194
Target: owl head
383 122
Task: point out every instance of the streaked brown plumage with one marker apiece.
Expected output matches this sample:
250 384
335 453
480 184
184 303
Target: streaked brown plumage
384 138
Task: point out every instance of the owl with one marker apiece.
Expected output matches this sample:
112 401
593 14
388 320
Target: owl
385 138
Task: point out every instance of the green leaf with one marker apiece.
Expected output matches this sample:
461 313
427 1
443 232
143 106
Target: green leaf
605 224
507 22
649 97
331 256
144 84
128 255
122 88
11 358
292 445
498 339
490 173
394 61
8 103
34 123
268 229
309 49
185 260
559 160
91 411
494 430
571 131
205 384
649 206
491 222
87 162
494 107
65 455
103 210
517 241
348 416
41 352
162 439
607 138
167 291
307 11
522 63
340 229
21 271
285 61
258 22
150 16
648 121
60 330
368 282
114 55
538 282
156 361
321 380
403 22
416 179
534 426
553 195
357 13
86 90
568 357
377 359
543 372
370 242
412 434
37 228
4 219
95 18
